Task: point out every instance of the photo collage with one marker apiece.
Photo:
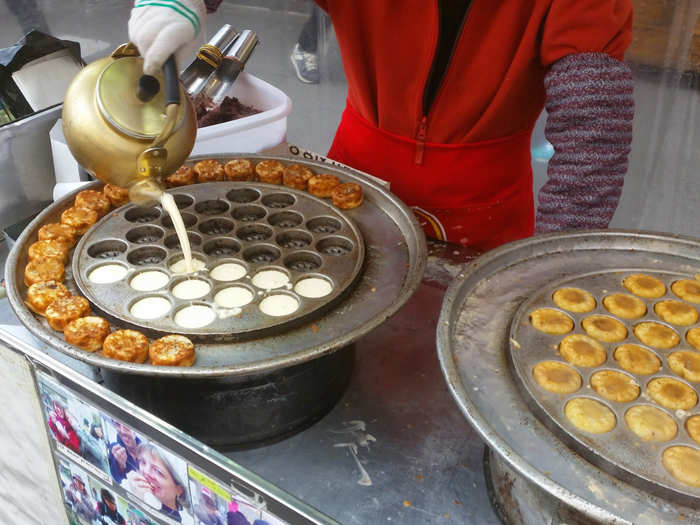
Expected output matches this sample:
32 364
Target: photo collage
112 474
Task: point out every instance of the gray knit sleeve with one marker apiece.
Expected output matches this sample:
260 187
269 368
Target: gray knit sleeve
590 110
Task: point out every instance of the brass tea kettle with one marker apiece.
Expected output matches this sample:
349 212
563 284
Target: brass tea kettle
121 127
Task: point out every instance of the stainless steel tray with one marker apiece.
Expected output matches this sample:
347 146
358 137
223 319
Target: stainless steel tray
259 227
395 256
619 451
473 340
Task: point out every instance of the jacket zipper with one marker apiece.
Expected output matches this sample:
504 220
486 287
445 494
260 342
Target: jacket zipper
423 124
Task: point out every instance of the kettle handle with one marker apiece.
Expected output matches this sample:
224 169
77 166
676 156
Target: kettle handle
148 86
172 85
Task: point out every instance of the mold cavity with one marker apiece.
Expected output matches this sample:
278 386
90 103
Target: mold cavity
279 305
303 261
107 273
243 195
106 249
212 207
278 200
313 287
194 316
173 242
229 271
221 247
150 308
141 214
248 213
191 289
286 219
178 265
183 201
216 226
144 235
254 232
149 280
294 239
233 297
334 246
187 218
261 254
270 279
146 255
324 225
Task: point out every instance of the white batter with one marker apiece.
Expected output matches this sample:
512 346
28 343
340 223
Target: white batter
228 272
233 297
107 273
191 289
149 281
150 308
169 205
181 266
313 287
270 279
195 316
278 305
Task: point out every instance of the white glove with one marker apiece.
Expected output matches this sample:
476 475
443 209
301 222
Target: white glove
160 28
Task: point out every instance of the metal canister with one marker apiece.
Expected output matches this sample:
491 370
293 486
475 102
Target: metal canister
208 59
219 84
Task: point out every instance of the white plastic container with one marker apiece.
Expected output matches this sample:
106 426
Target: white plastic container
249 134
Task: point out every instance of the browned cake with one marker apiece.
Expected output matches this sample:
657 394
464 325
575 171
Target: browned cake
693 338
323 184
55 231
687 289
239 170
184 176
270 171
172 350
79 218
297 176
66 309
51 249
126 345
676 312
644 285
87 333
604 328
209 170
347 196
116 195
93 200
41 295
44 270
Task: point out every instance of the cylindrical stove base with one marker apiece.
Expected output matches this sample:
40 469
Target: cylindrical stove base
518 501
242 412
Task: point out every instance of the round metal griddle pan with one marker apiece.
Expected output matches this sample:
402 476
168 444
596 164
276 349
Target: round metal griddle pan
395 257
473 338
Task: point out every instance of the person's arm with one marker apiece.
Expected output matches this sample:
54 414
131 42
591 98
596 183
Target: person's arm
590 111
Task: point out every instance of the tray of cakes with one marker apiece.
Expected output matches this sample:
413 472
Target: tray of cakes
576 356
288 260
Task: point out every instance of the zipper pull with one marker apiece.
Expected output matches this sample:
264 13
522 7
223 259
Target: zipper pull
420 139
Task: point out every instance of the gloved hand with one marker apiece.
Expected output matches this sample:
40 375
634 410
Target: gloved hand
160 28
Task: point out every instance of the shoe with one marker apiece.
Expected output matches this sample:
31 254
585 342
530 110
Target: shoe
305 64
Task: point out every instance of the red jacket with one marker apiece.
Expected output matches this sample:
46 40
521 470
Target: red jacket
465 161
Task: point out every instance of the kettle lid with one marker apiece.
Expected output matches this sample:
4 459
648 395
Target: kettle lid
119 105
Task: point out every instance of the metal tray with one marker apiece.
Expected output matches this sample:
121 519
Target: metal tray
394 262
258 226
619 451
473 339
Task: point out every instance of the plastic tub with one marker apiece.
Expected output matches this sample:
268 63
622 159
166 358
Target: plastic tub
249 134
